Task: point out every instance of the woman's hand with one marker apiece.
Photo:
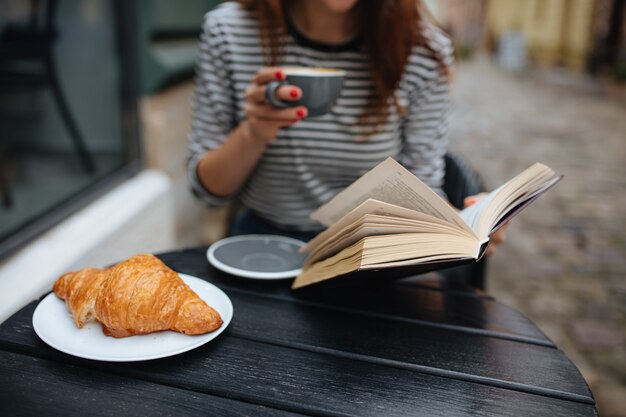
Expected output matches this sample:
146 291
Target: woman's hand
263 120
224 170
496 238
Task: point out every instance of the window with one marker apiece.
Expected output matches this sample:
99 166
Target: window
68 125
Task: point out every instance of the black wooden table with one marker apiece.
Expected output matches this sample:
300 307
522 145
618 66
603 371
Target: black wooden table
415 347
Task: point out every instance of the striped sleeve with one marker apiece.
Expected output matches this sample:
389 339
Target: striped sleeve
214 111
426 124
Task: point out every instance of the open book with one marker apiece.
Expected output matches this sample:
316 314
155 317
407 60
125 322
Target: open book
389 218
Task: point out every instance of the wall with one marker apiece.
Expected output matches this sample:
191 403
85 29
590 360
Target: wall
152 212
557 32
136 217
166 119
463 20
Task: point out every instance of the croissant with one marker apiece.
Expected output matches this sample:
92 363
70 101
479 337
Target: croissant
137 296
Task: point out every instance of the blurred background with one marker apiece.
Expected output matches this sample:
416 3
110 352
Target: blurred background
545 80
96 94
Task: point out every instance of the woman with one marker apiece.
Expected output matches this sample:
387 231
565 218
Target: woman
278 163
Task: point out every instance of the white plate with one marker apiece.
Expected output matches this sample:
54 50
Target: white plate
54 324
258 256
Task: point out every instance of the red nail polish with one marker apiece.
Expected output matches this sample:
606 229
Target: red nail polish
294 93
279 75
300 113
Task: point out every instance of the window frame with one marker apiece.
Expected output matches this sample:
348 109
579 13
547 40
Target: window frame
125 24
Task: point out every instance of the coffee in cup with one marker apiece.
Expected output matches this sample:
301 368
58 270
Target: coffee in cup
320 88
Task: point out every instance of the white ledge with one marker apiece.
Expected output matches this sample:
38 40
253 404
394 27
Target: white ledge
135 217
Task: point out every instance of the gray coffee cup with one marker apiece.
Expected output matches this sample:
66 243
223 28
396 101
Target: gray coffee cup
320 88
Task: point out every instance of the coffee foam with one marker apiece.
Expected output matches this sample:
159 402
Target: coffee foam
312 71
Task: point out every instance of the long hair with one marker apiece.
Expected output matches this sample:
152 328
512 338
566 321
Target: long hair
389 29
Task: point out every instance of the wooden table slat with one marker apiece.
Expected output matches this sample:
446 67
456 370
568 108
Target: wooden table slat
458 309
319 384
407 343
50 388
403 344
402 349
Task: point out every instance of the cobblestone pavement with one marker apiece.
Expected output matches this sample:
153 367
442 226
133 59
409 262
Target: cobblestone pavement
564 264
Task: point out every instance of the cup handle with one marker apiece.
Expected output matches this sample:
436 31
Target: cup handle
270 95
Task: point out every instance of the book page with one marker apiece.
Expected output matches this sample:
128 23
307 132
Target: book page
508 199
392 183
521 203
369 206
472 214
375 225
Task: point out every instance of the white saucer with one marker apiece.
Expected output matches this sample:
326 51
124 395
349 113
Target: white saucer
53 323
258 256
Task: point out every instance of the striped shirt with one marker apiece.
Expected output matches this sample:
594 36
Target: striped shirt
316 158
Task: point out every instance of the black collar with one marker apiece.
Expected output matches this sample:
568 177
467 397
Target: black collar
301 39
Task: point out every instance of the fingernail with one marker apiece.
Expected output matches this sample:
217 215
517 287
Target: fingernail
294 93
279 75
300 113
